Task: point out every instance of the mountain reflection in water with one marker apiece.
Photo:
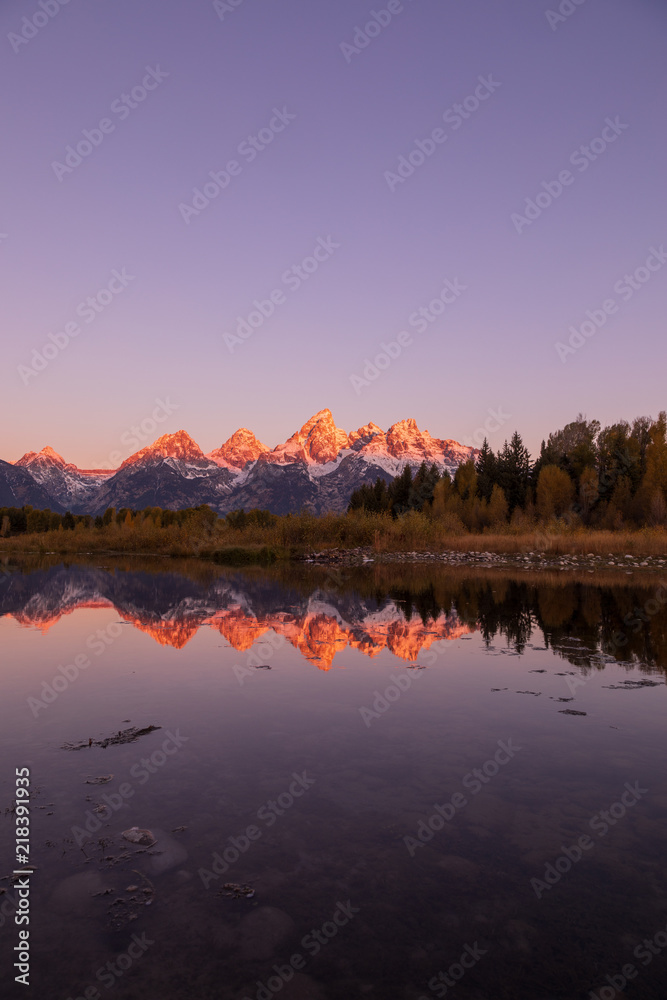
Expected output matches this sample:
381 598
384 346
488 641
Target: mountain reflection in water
402 609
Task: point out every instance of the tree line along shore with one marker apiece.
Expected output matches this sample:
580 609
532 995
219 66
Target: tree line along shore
589 491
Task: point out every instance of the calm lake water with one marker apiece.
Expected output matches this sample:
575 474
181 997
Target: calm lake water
382 761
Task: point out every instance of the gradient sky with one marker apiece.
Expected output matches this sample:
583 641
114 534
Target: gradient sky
324 175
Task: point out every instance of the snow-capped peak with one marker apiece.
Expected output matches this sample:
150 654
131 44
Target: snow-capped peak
242 447
47 456
179 445
319 440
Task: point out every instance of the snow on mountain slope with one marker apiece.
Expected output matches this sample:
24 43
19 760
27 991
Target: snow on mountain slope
67 486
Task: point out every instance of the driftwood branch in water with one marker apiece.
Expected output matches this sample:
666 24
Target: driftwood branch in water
122 736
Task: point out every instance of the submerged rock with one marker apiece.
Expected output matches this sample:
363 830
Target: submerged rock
137 836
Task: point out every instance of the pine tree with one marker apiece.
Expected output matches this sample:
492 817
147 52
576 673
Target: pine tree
486 468
423 485
400 492
514 471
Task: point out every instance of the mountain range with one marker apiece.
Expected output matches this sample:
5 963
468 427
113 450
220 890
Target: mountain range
316 469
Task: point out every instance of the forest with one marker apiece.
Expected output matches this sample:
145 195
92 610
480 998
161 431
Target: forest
613 479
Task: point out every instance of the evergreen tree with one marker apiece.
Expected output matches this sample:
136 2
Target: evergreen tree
376 499
514 471
487 471
423 485
380 496
399 492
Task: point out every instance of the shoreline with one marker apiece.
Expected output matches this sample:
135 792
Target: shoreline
525 561
264 556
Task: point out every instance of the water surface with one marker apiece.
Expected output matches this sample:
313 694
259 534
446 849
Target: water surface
311 722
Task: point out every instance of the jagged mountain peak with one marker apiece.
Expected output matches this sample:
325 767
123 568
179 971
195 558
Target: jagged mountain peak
405 437
242 447
179 445
49 452
323 417
318 441
47 456
367 435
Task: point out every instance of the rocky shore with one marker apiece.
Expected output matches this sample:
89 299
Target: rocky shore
518 560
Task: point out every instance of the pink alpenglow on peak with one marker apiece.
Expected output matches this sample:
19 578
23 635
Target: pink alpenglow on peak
405 438
317 445
47 459
370 437
319 441
47 456
179 445
242 447
405 441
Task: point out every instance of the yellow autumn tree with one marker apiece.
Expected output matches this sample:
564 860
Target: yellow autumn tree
555 492
653 490
498 508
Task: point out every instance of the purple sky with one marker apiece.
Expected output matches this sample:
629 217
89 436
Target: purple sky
323 176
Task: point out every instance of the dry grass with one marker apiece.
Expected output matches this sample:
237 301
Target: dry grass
296 535
644 542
